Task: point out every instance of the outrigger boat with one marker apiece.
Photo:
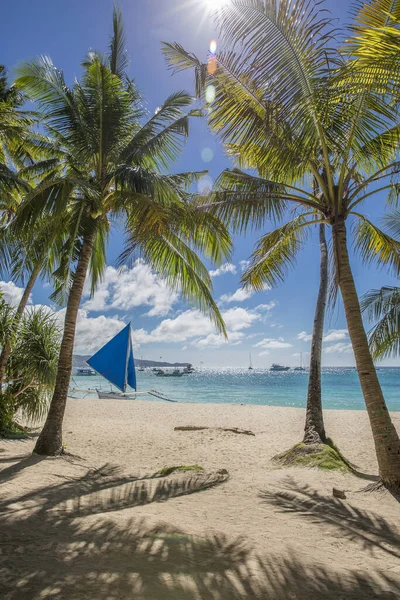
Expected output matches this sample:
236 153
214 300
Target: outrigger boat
115 362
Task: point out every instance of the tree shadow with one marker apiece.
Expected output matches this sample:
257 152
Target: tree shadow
365 527
50 551
24 462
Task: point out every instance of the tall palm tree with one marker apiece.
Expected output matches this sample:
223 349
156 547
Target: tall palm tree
284 103
113 169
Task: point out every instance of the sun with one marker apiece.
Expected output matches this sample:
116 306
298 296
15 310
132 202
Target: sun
214 4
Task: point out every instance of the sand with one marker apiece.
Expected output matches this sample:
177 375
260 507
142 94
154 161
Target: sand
98 525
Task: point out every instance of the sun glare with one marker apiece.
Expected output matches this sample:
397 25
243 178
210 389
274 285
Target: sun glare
215 3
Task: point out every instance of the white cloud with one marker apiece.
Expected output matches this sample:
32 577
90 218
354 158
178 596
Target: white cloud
129 288
266 307
225 268
244 264
339 348
193 325
303 335
238 318
239 296
254 335
92 332
265 353
334 335
276 325
215 340
275 344
12 294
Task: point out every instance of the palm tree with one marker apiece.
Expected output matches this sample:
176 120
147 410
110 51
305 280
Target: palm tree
314 429
113 169
283 103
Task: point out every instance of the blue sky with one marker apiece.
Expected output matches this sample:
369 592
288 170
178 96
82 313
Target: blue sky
266 324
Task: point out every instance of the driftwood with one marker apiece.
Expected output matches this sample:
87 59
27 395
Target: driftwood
229 429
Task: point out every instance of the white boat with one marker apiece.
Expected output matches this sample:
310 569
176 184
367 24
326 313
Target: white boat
84 372
278 368
300 368
114 396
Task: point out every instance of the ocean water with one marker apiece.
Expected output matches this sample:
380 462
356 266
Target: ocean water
340 387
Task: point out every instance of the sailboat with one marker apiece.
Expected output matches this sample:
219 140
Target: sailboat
300 368
114 361
251 366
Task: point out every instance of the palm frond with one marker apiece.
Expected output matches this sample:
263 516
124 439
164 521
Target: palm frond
118 56
178 265
374 245
383 306
275 252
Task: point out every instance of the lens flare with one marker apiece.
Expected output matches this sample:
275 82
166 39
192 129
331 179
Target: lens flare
207 154
210 94
204 185
213 46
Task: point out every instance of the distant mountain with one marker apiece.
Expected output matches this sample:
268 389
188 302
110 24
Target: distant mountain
79 361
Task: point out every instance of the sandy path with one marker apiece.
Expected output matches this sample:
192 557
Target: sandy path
71 531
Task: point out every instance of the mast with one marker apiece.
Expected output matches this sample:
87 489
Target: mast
128 349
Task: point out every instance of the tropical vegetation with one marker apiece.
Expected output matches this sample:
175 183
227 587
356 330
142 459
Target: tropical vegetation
27 384
294 108
109 165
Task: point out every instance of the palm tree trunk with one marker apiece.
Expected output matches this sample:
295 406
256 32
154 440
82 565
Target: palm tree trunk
387 442
5 353
314 431
50 439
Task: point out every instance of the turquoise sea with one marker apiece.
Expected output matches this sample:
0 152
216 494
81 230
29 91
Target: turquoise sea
340 387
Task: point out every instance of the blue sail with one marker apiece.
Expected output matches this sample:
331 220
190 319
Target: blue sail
131 368
114 360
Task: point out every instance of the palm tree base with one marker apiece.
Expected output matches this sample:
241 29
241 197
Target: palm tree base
49 444
323 456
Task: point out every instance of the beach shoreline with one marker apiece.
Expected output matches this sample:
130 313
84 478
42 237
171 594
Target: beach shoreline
272 511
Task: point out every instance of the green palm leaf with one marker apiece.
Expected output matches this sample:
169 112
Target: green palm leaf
275 253
383 306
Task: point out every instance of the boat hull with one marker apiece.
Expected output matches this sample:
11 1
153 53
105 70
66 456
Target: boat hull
114 396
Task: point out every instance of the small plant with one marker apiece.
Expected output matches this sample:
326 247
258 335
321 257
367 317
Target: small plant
323 456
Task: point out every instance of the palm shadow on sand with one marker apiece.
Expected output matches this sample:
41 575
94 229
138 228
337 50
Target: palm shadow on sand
51 551
361 526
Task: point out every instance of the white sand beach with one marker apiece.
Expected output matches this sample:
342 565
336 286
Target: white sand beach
83 526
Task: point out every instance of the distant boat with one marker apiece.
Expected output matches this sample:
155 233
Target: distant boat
141 368
276 367
175 373
84 372
300 368
114 361
188 369
251 366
